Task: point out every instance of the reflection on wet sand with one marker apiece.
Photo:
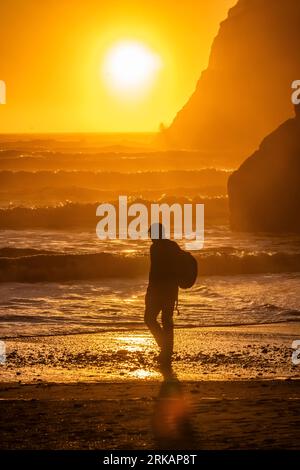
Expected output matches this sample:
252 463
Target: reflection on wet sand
172 418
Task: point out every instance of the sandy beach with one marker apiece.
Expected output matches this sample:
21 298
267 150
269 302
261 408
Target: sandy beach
206 353
150 415
231 388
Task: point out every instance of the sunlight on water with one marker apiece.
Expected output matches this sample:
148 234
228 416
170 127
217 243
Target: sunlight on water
91 306
133 298
145 374
135 343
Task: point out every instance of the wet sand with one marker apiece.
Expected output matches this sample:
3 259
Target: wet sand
231 388
212 353
151 415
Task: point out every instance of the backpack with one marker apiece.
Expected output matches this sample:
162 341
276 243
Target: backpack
187 269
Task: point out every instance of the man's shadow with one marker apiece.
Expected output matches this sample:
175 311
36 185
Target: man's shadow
172 418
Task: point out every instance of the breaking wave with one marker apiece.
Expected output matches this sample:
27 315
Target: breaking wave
17 266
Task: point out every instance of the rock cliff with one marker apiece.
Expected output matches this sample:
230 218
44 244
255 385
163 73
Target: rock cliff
246 90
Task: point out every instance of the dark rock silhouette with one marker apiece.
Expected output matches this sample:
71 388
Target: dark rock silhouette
264 193
245 92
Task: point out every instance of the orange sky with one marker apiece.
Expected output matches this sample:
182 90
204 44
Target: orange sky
52 52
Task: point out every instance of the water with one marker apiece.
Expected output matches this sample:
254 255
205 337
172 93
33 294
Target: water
80 307
47 233
218 238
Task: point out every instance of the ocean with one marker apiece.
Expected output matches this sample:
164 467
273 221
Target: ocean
57 277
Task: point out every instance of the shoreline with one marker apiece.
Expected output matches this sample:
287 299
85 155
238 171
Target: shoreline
201 353
140 327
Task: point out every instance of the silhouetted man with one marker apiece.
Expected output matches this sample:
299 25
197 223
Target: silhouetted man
162 292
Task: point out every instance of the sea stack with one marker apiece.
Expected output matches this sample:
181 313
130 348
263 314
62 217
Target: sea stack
264 193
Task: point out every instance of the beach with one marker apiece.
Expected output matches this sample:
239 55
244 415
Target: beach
208 353
203 415
230 388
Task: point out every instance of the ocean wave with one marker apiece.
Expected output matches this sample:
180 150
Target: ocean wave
138 180
106 160
70 215
67 267
12 252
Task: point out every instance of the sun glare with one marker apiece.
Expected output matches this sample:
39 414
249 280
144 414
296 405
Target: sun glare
130 68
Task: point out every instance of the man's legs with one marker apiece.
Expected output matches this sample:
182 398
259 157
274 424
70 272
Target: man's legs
164 336
168 329
151 313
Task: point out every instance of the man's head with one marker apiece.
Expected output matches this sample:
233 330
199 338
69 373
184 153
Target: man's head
157 231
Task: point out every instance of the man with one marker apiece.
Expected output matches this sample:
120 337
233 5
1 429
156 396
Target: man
162 292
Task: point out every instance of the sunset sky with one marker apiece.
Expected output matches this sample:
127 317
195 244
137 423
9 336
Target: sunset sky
63 62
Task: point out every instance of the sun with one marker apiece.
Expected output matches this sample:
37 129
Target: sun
130 68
